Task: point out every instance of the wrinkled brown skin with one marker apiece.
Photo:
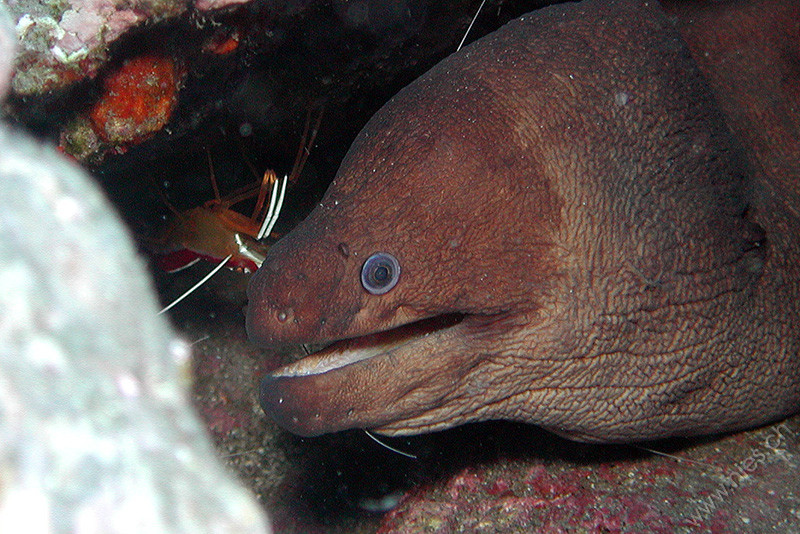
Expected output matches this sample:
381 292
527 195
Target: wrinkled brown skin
626 267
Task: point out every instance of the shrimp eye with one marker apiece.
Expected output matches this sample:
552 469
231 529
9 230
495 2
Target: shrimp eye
380 273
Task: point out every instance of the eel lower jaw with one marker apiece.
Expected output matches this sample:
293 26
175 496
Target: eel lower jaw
351 383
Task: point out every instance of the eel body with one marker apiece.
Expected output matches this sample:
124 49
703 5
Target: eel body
588 220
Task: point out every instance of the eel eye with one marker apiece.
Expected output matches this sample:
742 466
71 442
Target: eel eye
380 273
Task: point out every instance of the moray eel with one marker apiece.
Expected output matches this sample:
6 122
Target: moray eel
588 220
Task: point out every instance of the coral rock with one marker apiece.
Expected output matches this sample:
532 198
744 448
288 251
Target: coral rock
138 99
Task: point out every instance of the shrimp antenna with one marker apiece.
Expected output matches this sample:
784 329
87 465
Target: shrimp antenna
198 284
310 131
274 210
470 26
676 458
211 176
398 451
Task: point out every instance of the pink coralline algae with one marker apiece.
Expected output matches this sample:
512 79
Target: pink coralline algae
205 5
60 43
89 21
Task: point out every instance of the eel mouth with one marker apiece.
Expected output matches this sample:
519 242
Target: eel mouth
350 383
338 354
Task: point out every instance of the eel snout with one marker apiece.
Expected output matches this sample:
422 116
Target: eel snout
292 297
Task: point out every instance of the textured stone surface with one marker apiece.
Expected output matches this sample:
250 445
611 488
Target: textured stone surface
96 431
740 483
7 43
